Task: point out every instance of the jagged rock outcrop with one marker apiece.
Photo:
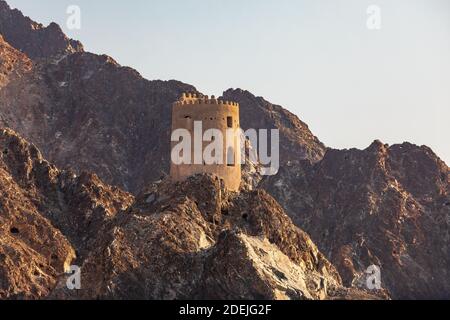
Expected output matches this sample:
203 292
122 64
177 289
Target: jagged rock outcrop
86 112
32 38
174 241
179 241
388 206
48 217
13 63
297 142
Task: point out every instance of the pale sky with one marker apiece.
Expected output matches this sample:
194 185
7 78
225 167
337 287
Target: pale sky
317 58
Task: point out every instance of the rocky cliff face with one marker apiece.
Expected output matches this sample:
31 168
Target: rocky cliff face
32 38
174 241
13 63
48 217
86 112
93 109
387 206
180 241
297 142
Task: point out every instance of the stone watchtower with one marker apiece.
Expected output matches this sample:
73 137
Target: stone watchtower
197 114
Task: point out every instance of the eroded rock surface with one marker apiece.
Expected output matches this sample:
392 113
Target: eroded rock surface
181 241
48 217
386 205
32 38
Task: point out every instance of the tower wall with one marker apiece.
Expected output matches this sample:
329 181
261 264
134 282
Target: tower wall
214 114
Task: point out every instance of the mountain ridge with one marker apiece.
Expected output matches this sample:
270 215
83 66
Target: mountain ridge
384 205
33 38
183 240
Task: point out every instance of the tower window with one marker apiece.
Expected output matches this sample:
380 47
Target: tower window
230 122
230 157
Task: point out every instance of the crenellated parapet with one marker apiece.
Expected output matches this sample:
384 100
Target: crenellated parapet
193 98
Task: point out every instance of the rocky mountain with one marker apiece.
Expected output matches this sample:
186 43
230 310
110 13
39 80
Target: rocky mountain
86 112
386 205
32 38
181 241
48 217
173 241
297 142
13 63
